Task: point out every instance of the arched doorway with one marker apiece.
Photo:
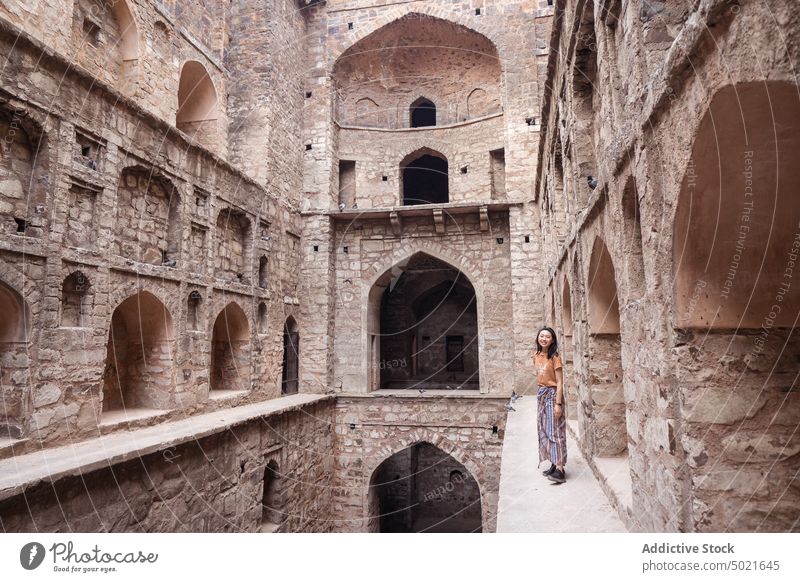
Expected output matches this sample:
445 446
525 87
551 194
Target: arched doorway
291 345
425 178
423 489
423 327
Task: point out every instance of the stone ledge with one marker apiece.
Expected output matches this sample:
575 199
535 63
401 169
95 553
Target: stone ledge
20 473
450 394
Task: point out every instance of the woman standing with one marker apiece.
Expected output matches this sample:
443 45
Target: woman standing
551 418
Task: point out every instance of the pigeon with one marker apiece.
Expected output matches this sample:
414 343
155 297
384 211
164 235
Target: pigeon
510 408
421 390
342 206
355 204
592 181
170 263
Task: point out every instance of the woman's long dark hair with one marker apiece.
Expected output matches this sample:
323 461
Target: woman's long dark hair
553 349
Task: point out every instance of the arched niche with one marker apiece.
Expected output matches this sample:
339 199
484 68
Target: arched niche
234 233
272 498
610 437
23 171
148 226
106 40
480 103
139 372
566 308
602 286
198 109
736 227
632 238
76 300
423 489
15 326
291 357
425 178
230 351
368 113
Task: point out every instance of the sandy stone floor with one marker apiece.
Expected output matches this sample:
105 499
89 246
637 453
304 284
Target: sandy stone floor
530 503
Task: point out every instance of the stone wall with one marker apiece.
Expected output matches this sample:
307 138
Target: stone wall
629 86
210 484
110 193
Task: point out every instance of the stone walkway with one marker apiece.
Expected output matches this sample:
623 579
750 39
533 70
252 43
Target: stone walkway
531 503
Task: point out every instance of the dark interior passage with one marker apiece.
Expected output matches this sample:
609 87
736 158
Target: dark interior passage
428 328
423 489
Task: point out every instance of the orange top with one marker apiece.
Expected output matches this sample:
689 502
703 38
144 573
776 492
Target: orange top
546 369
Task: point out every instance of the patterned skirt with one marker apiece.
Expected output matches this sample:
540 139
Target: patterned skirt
552 431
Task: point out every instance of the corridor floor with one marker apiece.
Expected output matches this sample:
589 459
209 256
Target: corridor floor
529 502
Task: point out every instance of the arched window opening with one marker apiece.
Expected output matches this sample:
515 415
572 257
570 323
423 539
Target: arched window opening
272 513
15 325
75 300
423 113
425 178
230 351
291 353
423 489
423 328
605 357
139 373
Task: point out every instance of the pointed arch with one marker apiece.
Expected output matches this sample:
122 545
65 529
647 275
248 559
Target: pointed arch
432 336
423 488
